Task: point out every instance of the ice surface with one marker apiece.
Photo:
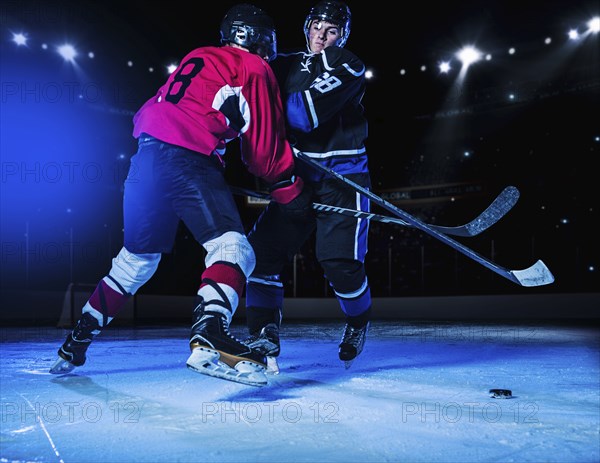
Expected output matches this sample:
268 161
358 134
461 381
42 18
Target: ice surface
418 393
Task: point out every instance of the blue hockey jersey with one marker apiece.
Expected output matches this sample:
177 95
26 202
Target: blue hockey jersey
322 94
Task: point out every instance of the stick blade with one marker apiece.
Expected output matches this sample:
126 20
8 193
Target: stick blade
503 203
536 275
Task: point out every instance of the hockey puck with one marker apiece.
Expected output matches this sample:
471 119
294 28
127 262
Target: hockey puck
500 393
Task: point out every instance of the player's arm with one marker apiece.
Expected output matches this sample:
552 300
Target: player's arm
265 150
328 93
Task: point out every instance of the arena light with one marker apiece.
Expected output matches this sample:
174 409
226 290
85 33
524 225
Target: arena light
19 38
594 25
573 34
369 74
444 67
171 68
468 55
68 52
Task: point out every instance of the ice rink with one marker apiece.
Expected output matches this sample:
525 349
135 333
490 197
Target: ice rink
418 393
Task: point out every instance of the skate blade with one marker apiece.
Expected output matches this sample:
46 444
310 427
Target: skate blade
272 366
206 361
62 367
348 363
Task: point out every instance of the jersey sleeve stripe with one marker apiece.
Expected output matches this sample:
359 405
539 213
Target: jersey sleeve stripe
311 107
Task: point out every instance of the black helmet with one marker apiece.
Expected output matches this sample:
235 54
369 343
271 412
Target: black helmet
251 28
334 12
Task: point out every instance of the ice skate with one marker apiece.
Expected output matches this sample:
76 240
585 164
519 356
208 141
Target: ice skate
352 343
267 343
216 352
72 353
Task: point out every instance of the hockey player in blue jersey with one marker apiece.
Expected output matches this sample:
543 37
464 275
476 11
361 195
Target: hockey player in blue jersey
322 91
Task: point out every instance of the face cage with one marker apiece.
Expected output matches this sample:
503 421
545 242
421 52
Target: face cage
259 40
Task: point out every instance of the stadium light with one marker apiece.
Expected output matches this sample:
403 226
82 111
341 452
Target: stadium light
468 55
68 52
444 67
19 39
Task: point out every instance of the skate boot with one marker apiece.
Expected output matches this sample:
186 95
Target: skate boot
352 343
216 352
267 343
72 352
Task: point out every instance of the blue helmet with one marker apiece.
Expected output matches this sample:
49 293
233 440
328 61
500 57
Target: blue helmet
334 12
250 27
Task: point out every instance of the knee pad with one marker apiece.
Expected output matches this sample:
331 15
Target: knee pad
232 247
350 285
131 270
346 276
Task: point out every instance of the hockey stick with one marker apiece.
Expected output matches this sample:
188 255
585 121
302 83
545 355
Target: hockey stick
494 212
536 275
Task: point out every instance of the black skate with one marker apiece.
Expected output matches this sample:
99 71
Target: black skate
216 352
353 341
72 352
267 343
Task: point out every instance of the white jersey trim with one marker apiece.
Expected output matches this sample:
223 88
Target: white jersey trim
330 154
225 92
311 107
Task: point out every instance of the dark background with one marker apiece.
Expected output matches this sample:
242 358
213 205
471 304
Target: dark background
66 138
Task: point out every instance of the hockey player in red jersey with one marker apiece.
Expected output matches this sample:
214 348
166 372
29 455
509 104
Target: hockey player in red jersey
216 94
323 86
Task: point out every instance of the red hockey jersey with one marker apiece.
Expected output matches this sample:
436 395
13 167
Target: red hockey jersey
218 94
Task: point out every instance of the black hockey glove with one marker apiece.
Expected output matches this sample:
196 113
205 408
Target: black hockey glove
299 208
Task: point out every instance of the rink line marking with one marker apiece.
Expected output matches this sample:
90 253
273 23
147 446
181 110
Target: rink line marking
44 429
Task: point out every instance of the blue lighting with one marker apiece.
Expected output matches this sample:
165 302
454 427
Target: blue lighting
58 174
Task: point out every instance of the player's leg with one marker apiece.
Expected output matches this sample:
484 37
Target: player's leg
348 279
128 273
206 206
275 239
341 250
150 226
